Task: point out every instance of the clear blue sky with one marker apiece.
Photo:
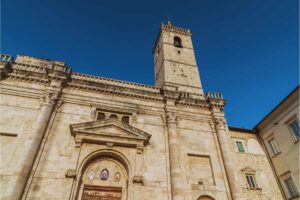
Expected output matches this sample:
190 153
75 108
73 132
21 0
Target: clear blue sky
246 49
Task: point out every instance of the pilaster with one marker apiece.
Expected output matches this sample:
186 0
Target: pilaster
57 76
217 104
174 150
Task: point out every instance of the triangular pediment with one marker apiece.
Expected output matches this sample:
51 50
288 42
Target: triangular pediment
109 128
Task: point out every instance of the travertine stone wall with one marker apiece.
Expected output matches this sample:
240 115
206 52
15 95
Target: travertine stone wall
19 111
253 161
170 136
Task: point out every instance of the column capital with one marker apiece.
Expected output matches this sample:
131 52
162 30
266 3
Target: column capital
50 98
220 123
171 117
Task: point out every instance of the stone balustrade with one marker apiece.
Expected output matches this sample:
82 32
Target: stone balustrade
214 95
5 58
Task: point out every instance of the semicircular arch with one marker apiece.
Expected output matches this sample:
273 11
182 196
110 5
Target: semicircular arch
108 153
103 172
205 197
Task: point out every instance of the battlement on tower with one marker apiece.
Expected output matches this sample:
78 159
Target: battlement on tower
169 27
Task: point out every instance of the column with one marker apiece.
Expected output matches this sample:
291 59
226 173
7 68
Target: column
176 183
31 146
227 154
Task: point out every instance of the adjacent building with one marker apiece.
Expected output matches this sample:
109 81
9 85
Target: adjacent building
279 132
66 135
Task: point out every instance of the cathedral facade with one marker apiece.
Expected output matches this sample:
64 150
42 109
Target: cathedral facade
67 136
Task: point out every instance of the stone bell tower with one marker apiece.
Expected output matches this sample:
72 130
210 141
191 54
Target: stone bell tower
174 60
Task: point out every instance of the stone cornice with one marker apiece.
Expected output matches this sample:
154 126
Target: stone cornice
56 73
115 82
20 91
110 86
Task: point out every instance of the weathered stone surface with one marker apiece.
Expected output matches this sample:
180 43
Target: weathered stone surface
174 145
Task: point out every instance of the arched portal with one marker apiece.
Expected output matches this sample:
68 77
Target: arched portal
103 178
205 197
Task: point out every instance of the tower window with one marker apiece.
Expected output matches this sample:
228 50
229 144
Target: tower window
177 42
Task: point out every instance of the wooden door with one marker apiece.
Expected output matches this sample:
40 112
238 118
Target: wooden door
102 193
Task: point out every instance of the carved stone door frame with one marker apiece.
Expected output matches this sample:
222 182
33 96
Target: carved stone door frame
108 138
91 192
102 158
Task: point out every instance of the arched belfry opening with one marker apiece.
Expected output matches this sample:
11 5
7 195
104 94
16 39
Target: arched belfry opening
177 42
103 177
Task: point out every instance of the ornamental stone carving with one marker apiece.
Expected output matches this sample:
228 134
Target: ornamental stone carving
171 117
220 123
49 98
138 180
117 177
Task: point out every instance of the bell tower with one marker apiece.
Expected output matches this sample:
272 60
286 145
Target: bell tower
174 60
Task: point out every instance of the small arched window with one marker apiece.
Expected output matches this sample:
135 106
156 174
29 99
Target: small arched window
177 42
100 116
125 119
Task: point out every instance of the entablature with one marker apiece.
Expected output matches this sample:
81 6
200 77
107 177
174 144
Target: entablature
55 72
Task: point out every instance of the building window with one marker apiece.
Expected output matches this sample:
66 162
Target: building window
100 116
177 42
274 146
294 127
251 181
291 187
240 146
125 119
